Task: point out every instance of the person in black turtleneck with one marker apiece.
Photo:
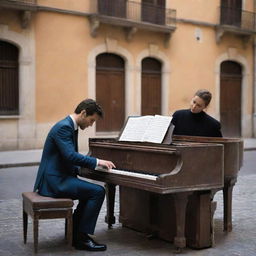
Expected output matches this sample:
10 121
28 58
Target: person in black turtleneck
194 121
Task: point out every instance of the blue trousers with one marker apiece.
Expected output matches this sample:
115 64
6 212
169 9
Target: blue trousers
89 195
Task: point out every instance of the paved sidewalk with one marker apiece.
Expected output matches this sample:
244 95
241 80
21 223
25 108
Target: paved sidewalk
249 144
20 158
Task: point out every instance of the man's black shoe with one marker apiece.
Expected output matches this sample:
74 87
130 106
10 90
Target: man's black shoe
89 244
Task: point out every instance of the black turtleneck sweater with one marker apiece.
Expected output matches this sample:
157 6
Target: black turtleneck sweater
199 124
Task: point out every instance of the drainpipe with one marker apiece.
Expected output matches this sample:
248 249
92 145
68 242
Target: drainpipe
254 78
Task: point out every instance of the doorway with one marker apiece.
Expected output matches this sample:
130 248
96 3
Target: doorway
151 100
230 98
110 91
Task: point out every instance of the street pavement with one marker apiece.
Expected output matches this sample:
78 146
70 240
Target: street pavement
17 173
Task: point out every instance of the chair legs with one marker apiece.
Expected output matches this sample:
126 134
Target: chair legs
66 230
35 231
69 235
40 207
25 226
69 229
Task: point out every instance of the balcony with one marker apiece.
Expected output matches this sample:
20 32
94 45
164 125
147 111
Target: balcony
236 21
132 16
25 7
19 4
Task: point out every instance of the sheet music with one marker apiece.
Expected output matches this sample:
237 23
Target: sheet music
146 128
135 128
157 129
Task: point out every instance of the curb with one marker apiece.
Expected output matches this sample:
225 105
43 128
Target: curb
18 164
249 149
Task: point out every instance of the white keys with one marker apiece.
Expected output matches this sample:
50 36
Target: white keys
132 174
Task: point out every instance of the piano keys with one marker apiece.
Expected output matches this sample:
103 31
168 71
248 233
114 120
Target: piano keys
137 174
182 170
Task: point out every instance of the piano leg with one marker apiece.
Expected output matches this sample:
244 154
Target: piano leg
227 198
110 197
213 209
199 220
181 200
153 215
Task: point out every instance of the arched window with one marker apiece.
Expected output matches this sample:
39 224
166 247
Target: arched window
9 82
151 87
110 91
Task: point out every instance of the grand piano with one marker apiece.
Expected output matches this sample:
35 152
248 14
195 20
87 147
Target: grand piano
159 184
199 224
233 161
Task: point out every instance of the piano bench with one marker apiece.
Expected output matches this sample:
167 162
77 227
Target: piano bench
41 207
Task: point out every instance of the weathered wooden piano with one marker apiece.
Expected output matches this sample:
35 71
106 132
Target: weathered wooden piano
162 187
233 161
199 230
167 190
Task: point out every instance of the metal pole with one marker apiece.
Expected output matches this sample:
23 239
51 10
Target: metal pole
254 76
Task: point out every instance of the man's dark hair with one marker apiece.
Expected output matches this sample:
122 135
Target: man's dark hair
90 106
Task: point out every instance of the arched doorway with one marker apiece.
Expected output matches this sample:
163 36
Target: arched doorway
110 91
230 98
9 79
151 100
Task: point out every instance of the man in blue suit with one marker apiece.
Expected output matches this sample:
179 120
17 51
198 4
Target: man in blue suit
57 173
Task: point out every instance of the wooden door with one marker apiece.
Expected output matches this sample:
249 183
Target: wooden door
230 98
151 87
110 91
153 11
231 11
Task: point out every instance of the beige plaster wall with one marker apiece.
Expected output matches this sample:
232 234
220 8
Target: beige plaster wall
58 65
63 43
8 130
62 62
197 10
74 5
190 57
18 132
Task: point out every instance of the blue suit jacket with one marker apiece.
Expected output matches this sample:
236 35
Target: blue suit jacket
60 159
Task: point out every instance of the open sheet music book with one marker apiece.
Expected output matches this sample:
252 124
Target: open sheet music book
146 128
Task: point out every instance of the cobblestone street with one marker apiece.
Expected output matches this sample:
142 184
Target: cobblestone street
123 241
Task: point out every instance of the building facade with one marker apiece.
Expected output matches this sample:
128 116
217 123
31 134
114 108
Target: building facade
134 57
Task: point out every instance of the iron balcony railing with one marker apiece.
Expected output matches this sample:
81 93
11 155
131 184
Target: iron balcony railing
134 11
237 18
19 4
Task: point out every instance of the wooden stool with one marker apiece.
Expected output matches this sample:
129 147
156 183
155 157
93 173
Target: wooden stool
41 207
